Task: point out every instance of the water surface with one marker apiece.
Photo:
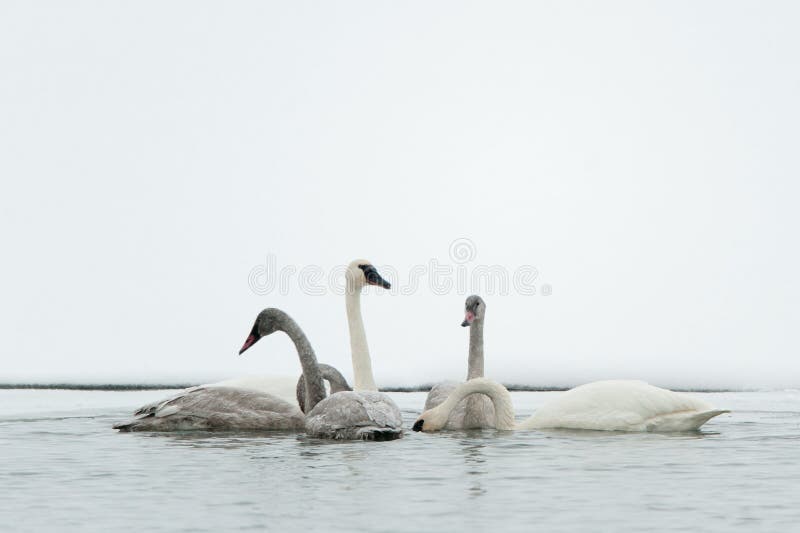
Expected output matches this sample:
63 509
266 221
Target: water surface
64 469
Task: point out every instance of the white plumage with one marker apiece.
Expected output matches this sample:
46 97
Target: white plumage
618 405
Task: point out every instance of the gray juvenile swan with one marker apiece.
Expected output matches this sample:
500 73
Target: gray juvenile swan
364 413
617 405
229 408
476 411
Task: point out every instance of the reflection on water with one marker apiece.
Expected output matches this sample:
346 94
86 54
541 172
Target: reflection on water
74 473
475 463
217 439
589 433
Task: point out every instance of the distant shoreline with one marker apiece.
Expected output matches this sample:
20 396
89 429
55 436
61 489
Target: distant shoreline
123 387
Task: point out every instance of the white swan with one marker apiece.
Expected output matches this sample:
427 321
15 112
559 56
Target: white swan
603 405
363 413
215 407
476 411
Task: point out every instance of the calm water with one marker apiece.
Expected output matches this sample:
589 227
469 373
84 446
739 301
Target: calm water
63 468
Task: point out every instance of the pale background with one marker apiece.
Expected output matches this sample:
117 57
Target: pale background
643 156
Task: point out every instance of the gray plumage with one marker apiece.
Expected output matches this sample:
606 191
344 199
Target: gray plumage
334 378
151 408
476 411
229 408
215 409
343 415
364 415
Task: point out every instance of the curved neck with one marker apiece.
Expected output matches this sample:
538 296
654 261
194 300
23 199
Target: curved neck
335 378
501 399
315 387
359 350
329 374
475 362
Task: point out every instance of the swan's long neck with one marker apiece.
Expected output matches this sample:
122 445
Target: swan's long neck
335 378
503 408
475 363
315 387
329 374
475 403
359 350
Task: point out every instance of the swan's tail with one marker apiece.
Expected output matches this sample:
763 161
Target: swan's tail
379 434
126 426
683 421
147 422
705 416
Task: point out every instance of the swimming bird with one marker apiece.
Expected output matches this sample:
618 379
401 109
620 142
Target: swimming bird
617 405
214 407
363 413
476 411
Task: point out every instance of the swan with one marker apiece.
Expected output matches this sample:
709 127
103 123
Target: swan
363 413
274 386
476 411
616 405
214 407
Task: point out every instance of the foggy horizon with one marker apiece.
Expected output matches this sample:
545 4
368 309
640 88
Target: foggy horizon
636 162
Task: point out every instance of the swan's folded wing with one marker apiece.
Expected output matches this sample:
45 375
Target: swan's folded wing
151 408
217 408
352 415
382 410
682 421
278 386
618 405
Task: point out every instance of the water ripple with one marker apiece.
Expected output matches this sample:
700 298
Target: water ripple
738 475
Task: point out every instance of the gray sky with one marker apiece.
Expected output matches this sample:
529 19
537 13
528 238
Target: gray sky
642 156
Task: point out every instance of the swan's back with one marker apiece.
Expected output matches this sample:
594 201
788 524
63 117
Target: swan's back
217 408
361 415
622 405
282 387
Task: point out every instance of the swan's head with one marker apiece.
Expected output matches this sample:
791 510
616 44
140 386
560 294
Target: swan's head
430 420
474 309
361 273
268 322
